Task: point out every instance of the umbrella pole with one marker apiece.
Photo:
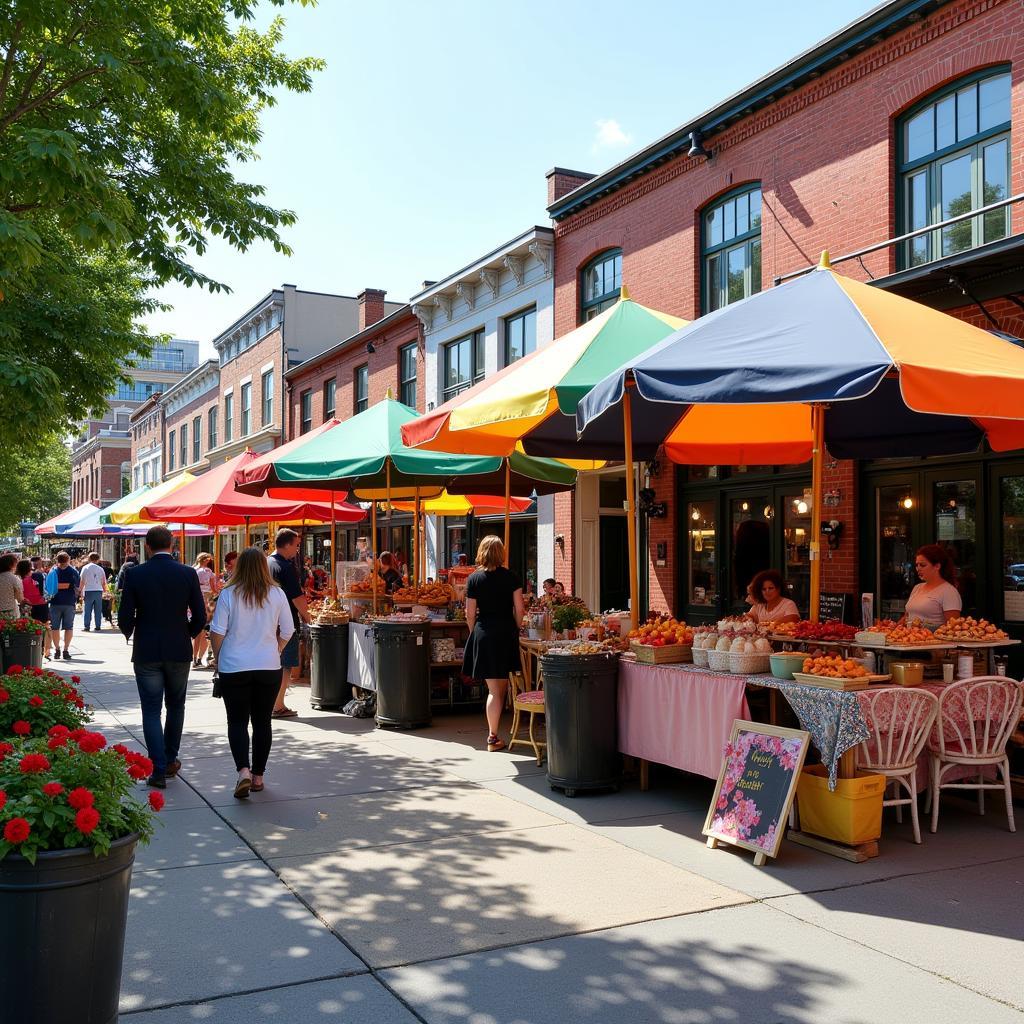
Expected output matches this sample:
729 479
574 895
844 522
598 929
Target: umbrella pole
634 577
216 550
334 553
417 555
373 551
817 491
247 536
508 508
181 543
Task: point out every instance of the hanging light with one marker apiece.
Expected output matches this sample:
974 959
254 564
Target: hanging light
745 506
695 515
907 503
768 512
801 506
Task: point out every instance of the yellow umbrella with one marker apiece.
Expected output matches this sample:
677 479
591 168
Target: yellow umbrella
128 511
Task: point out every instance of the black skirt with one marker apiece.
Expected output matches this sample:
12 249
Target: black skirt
492 652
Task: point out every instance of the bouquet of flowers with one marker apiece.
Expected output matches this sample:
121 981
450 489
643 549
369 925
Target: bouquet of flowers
67 790
19 627
33 700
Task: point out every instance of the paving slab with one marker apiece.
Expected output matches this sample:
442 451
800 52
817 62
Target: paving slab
195 933
315 825
966 924
743 965
187 838
401 904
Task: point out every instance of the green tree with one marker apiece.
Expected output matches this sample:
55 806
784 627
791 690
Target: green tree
33 483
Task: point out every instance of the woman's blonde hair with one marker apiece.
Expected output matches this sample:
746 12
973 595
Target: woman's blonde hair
491 553
251 577
201 559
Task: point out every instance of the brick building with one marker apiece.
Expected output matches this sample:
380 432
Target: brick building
146 428
190 412
101 467
898 122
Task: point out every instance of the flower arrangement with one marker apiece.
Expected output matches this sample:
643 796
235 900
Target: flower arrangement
21 627
33 700
69 790
568 616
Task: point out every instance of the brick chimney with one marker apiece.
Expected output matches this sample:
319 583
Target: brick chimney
371 307
562 181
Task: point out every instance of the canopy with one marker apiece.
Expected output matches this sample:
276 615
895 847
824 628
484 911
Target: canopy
127 511
898 379
446 504
211 499
68 518
366 455
534 399
92 526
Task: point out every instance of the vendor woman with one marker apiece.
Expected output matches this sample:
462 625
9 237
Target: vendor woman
935 600
770 605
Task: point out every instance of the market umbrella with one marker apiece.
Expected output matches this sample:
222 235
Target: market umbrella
821 360
446 504
65 519
93 526
127 511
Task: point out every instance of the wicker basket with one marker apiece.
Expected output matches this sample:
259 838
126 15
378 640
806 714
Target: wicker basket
718 661
751 664
667 655
700 657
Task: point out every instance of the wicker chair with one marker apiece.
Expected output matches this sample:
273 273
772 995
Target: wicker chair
525 702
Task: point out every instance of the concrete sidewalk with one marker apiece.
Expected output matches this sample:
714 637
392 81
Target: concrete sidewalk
389 877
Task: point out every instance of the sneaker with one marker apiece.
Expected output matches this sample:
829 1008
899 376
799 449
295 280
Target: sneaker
67 657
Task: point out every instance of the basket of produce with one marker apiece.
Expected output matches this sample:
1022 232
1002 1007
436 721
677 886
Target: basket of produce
431 595
662 641
966 629
331 613
718 656
749 657
703 641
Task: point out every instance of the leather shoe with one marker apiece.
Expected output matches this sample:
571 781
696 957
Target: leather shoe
157 781
173 768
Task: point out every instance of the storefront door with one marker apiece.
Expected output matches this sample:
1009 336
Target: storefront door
750 518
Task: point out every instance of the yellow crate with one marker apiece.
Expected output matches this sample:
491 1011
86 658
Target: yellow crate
851 813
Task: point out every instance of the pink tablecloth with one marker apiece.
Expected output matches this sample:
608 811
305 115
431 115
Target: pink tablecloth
677 717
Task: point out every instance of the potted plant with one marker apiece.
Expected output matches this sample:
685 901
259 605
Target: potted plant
69 825
566 617
32 700
21 642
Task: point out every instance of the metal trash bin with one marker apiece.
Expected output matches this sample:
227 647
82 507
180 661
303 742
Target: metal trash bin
402 668
582 721
22 649
328 670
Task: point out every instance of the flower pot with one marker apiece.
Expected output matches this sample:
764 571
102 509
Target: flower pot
62 938
22 649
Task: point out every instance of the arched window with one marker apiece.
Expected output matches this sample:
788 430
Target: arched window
731 247
601 283
953 153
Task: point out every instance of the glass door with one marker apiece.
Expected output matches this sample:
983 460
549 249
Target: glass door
953 516
702 555
750 519
897 534
795 557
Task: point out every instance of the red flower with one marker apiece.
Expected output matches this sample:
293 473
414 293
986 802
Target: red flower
121 749
21 728
76 679
91 742
87 819
17 830
5 749
37 671
81 798
58 730
15 670
55 692
137 771
56 742
77 734
34 763
36 702
53 789
156 800
3 799
4 695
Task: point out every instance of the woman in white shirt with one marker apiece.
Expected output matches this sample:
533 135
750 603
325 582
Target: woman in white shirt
935 600
767 589
209 584
250 628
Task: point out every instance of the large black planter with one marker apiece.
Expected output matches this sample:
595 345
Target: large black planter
402 665
22 649
582 721
62 924
328 665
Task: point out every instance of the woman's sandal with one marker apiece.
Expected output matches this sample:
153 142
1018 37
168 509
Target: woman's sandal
284 713
256 787
493 744
242 788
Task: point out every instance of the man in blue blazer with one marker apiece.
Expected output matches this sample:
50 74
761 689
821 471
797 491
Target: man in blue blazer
155 604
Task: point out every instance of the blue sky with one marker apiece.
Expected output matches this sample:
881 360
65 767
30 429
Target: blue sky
425 141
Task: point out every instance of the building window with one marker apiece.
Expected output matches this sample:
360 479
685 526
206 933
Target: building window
197 436
463 364
306 412
731 247
330 390
954 156
520 335
211 439
601 284
362 388
135 476
229 417
184 444
170 450
245 409
407 375
268 397
137 391
145 472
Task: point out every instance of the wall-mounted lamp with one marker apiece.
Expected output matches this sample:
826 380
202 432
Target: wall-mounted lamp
649 507
370 348
801 506
695 515
697 147
560 542
768 512
907 503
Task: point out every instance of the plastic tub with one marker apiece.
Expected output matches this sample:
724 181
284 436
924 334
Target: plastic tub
907 673
784 664
850 814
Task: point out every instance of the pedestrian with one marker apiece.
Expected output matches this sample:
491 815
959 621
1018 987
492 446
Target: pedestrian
30 588
11 591
229 566
159 598
252 626
282 568
209 585
92 588
494 610
129 563
39 611
62 582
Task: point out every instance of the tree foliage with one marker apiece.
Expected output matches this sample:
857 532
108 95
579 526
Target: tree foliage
33 481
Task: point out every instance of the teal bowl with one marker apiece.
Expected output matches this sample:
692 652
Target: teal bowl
786 663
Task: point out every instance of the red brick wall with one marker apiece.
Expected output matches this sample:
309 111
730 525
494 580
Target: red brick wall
105 487
565 563
200 407
341 365
249 363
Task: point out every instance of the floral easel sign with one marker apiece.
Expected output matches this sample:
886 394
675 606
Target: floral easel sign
756 787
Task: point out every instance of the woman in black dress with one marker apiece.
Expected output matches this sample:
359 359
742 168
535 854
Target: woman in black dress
494 609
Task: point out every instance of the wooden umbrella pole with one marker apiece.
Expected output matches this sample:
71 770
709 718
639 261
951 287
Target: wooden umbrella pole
634 573
181 542
334 552
373 551
817 496
417 550
216 550
508 507
247 536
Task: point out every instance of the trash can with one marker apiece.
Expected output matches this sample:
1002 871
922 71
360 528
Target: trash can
402 667
582 721
22 649
328 670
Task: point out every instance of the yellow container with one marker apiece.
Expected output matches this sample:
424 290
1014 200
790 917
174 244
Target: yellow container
907 673
851 814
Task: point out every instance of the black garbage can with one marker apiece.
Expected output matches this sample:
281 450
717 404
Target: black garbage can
582 721
22 649
328 665
402 667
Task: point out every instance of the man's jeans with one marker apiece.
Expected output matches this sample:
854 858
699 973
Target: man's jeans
162 682
93 599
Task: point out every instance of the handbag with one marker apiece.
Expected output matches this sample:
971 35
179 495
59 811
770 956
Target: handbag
218 689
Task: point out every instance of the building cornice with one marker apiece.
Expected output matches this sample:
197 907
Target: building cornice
204 378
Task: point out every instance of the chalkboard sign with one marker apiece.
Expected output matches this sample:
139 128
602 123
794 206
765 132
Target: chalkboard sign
755 787
832 606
